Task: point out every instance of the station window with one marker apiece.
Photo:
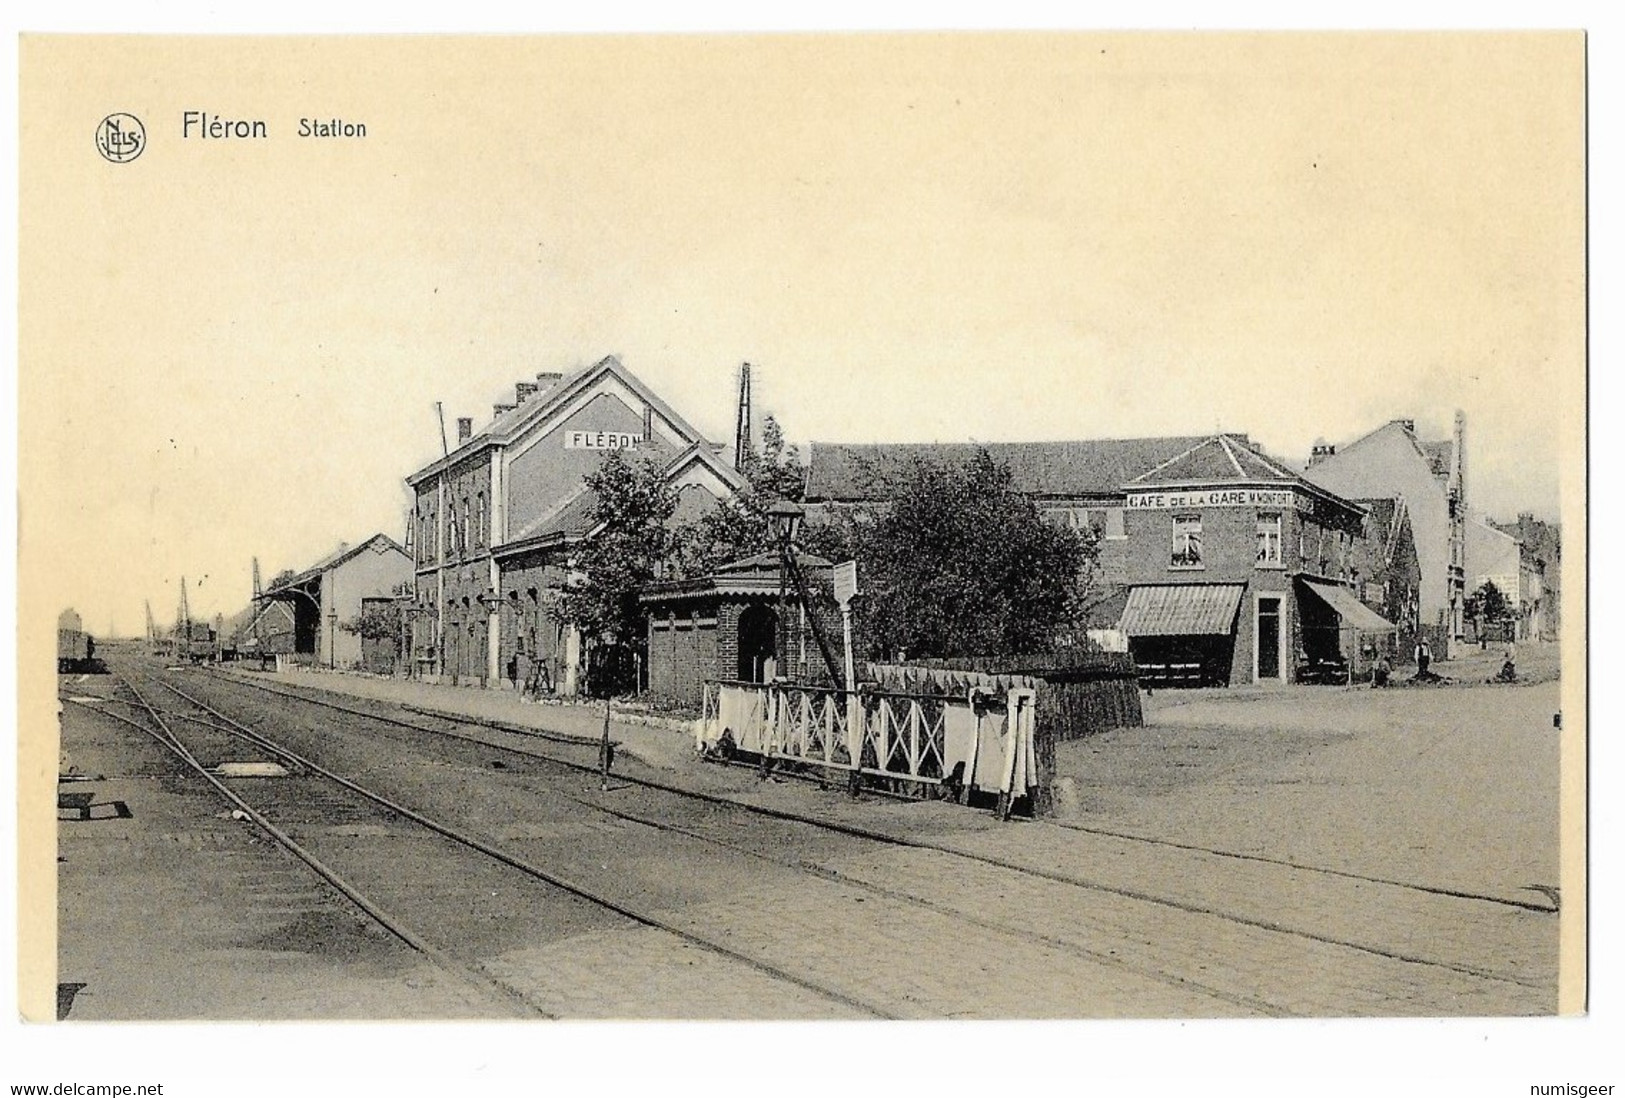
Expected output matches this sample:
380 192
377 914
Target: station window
1269 540
1187 549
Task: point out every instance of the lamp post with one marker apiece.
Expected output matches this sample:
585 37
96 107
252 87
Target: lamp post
491 603
785 518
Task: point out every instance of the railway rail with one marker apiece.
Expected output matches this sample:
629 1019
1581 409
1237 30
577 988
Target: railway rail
468 972
1236 997
960 914
503 998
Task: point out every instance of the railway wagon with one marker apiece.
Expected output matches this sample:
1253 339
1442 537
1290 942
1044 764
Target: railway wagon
197 642
75 648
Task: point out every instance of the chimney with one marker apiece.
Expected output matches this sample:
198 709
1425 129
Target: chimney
465 429
524 390
1408 424
498 409
1320 451
547 379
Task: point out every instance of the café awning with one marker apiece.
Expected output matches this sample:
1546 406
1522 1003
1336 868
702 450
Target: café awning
1356 615
1181 610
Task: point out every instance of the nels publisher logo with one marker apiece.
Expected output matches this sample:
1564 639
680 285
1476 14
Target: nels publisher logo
121 138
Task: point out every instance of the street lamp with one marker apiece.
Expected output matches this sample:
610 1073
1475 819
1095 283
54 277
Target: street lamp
785 518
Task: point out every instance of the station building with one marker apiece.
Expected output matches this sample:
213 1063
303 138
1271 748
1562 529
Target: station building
496 520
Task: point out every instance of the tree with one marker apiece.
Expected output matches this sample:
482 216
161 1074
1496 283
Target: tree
633 504
376 623
960 563
739 528
1488 605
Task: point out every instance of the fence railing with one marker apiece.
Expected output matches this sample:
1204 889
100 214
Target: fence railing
976 741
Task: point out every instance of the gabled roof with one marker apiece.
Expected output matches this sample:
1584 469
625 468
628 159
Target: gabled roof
1217 460
1229 459
841 472
576 517
515 422
703 454
1439 455
333 560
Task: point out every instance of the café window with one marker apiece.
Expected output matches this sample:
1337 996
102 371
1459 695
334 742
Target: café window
1187 549
1114 523
1269 541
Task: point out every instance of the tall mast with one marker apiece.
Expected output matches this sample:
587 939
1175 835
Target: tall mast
743 433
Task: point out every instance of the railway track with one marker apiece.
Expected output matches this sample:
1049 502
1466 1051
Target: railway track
503 999
723 833
869 833
355 803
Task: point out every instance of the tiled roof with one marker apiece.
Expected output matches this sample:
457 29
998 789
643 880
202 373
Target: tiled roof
840 472
769 562
574 519
1217 459
334 559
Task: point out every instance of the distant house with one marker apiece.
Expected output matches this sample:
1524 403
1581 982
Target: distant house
329 594
1393 463
264 628
1221 564
1078 484
1495 555
1540 572
1386 573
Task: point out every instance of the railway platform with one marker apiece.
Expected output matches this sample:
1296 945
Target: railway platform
664 748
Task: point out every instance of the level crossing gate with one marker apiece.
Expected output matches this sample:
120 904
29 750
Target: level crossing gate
980 741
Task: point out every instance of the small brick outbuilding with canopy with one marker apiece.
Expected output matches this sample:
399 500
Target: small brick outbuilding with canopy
725 627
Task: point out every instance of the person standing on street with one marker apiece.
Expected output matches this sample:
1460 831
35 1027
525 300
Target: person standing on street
1424 656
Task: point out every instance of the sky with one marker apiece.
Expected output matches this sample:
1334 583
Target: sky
234 349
